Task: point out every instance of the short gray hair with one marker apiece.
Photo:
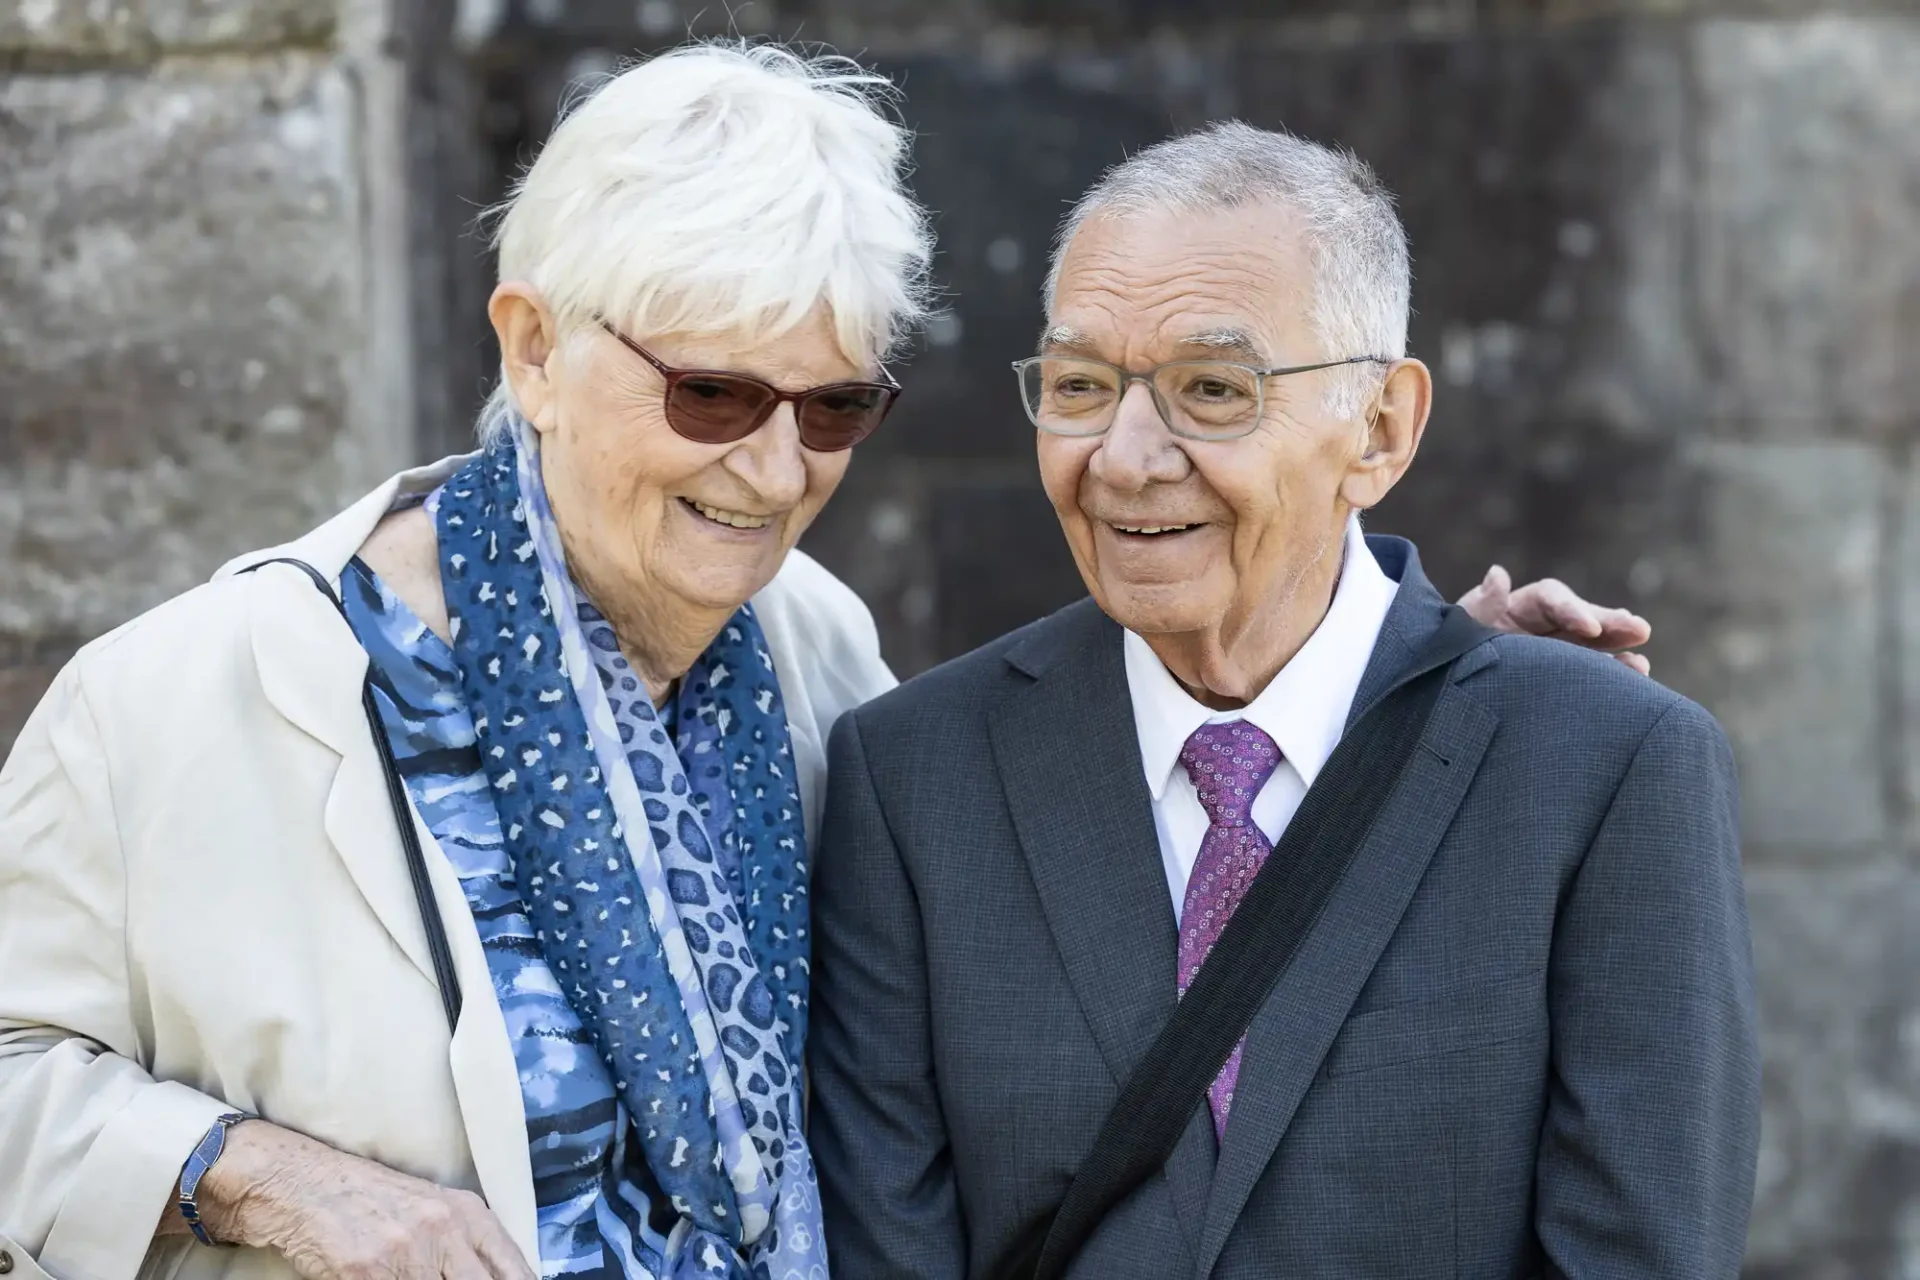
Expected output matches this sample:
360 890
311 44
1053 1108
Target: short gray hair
1363 278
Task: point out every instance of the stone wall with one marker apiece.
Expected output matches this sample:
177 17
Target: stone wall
212 298
1668 276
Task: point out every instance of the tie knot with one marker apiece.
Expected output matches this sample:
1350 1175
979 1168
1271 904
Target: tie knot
1228 764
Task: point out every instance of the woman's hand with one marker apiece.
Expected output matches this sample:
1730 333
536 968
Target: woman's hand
338 1217
1550 608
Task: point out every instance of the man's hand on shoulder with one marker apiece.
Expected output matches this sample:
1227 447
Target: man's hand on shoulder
1551 608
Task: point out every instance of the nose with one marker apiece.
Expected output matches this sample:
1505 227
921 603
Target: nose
771 462
1137 449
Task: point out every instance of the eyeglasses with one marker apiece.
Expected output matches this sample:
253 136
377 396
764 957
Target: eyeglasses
712 406
1197 399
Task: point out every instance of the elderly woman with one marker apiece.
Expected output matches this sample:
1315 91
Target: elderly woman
469 938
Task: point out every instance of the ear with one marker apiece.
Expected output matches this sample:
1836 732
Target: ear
528 339
1393 436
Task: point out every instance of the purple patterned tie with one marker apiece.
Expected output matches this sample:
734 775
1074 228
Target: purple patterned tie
1228 764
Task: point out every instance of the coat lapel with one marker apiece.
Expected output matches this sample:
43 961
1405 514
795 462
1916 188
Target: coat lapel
1069 761
311 670
1293 1031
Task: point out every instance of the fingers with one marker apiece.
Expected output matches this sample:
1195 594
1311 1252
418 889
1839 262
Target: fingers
1622 629
493 1247
1551 608
462 1261
1487 603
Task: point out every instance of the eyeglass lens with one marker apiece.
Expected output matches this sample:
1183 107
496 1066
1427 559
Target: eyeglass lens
1079 397
715 408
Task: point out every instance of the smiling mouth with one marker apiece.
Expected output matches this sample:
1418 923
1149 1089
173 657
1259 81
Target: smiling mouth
731 519
1151 530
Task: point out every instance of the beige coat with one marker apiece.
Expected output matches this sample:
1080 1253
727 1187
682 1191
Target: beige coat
204 906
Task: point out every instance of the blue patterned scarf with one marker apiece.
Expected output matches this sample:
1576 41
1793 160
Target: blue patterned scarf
665 880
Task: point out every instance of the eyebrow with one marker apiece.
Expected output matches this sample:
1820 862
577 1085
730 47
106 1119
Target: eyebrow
1063 337
1235 344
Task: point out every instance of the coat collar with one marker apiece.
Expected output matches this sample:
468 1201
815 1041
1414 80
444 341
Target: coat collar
312 670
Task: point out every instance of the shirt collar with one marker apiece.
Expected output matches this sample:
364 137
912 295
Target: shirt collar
1303 708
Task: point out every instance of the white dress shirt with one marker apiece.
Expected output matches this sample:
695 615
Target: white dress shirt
1303 709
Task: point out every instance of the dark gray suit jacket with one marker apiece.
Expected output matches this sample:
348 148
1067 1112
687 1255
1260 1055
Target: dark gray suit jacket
1520 1041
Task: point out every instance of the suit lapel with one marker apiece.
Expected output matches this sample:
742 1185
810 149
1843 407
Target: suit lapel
1290 1036
311 670
1069 760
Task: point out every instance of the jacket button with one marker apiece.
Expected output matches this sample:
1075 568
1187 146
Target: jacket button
6 1262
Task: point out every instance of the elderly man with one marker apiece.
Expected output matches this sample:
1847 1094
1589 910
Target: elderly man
1496 1008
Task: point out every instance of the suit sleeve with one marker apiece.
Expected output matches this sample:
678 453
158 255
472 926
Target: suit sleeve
879 1138
90 1143
1647 1155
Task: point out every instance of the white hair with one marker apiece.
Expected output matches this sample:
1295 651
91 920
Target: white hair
726 188
1362 284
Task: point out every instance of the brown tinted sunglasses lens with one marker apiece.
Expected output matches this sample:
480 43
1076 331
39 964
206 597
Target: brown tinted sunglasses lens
716 409
836 418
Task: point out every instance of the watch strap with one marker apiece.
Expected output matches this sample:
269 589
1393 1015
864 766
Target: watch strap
203 1158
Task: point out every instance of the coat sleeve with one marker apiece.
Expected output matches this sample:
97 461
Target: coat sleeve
1647 1155
886 1175
91 1144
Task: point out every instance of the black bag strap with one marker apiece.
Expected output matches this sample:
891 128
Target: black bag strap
437 946
1254 950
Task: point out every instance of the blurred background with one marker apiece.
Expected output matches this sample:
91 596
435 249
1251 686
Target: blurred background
1667 261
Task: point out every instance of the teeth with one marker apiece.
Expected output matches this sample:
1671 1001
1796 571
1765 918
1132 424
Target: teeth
1153 528
737 519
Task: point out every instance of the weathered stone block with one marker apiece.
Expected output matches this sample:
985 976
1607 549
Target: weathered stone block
1760 566
122 28
183 24
948 556
1839 1186
1771 603
1573 10
1542 178
1903 591
1113 22
1002 560
72 26
1808 220
875 536
1001 152
183 295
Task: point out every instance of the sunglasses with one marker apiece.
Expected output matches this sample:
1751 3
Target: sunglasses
711 406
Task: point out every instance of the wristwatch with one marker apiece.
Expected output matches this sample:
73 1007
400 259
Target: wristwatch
203 1158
